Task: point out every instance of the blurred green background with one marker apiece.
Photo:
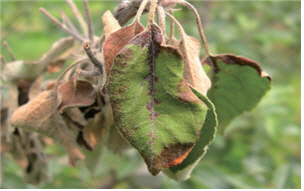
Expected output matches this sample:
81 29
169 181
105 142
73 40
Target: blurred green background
260 149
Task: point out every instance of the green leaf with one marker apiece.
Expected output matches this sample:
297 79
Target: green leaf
183 170
238 84
153 107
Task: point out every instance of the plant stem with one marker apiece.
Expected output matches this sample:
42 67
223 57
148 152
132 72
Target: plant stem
89 21
140 10
68 22
64 27
171 29
66 70
92 57
79 18
8 50
152 12
199 24
161 19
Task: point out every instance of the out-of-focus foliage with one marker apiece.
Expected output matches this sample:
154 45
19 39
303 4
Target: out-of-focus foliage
260 149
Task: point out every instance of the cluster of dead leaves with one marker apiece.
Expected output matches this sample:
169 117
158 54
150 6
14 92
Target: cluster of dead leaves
73 112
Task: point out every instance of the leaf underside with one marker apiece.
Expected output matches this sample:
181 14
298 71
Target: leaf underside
153 107
183 170
238 84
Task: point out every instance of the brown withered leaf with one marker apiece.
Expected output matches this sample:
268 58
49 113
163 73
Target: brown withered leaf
116 41
37 170
74 115
76 93
110 23
35 88
18 151
95 129
40 115
194 73
6 144
93 132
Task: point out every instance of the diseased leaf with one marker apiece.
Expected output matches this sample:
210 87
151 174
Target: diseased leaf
40 115
114 141
37 170
238 84
153 107
30 70
6 144
194 73
110 23
183 170
116 41
35 88
94 131
76 93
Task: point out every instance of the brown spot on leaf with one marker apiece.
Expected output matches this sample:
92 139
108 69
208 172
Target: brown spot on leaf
172 155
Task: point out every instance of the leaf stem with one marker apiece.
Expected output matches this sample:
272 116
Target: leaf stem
89 21
161 19
152 12
80 61
179 26
92 57
79 17
140 10
199 24
171 28
5 45
64 27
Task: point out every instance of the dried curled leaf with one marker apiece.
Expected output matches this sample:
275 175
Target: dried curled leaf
153 107
110 23
76 93
40 115
238 84
194 73
37 170
30 70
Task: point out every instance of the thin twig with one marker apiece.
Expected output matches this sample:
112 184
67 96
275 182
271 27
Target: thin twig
3 60
79 17
66 70
89 21
66 19
87 73
199 25
64 27
92 57
5 45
